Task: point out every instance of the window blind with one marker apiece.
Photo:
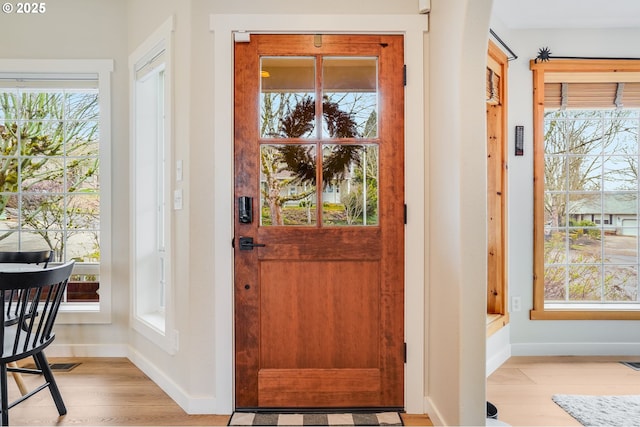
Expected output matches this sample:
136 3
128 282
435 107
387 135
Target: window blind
592 95
147 67
493 87
48 81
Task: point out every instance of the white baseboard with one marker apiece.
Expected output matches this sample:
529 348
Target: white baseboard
87 350
498 349
191 405
575 349
497 359
433 412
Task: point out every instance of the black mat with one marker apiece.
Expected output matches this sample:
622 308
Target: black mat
319 419
64 367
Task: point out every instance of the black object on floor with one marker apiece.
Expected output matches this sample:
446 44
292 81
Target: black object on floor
63 367
632 365
492 411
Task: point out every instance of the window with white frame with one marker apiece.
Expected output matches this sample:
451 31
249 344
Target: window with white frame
151 213
54 160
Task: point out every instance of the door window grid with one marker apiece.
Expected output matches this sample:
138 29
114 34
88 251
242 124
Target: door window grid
289 110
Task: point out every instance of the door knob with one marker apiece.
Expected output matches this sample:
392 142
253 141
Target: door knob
246 244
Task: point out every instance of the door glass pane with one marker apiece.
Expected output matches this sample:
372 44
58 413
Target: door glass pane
287 184
350 98
287 97
350 185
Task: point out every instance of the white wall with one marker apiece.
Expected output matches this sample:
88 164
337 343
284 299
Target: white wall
457 224
546 337
188 376
67 31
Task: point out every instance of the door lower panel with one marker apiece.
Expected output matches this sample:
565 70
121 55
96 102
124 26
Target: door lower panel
312 388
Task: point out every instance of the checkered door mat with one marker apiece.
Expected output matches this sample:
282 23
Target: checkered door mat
346 419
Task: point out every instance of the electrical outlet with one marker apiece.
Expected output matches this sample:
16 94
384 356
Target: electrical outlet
516 304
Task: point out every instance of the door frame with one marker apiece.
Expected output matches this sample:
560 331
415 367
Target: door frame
413 27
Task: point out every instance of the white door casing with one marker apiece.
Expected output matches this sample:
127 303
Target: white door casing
413 27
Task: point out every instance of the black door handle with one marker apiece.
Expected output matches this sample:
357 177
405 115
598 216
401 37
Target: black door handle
246 244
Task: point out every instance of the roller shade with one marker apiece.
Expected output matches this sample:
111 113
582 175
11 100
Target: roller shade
150 65
592 95
48 81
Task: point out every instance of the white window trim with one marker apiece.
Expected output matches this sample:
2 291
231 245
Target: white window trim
85 312
150 324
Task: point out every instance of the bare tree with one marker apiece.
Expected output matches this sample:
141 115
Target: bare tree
577 145
295 164
586 153
38 130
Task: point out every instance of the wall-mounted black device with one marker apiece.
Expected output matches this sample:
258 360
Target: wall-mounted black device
245 209
519 140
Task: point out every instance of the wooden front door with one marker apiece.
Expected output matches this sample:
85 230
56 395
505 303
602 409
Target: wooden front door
319 223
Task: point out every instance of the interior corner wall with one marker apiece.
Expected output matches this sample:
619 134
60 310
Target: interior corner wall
457 219
548 337
188 375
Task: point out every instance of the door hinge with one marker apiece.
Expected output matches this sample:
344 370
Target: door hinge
404 75
241 37
405 214
405 352
233 243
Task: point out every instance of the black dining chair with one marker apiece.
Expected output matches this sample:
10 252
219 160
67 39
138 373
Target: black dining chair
43 258
28 318
27 257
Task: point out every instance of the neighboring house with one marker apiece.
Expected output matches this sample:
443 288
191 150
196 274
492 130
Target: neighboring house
618 213
330 193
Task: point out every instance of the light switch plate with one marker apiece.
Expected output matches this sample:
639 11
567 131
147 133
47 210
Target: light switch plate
177 199
178 170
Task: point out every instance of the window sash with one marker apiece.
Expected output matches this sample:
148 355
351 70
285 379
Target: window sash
152 308
61 161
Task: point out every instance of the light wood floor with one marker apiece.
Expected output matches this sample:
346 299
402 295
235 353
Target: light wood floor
522 388
113 392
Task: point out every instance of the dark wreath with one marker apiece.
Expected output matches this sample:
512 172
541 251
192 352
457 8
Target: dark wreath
299 159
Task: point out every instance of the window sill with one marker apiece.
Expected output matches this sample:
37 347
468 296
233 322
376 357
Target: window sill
495 322
83 313
587 312
153 327
154 320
